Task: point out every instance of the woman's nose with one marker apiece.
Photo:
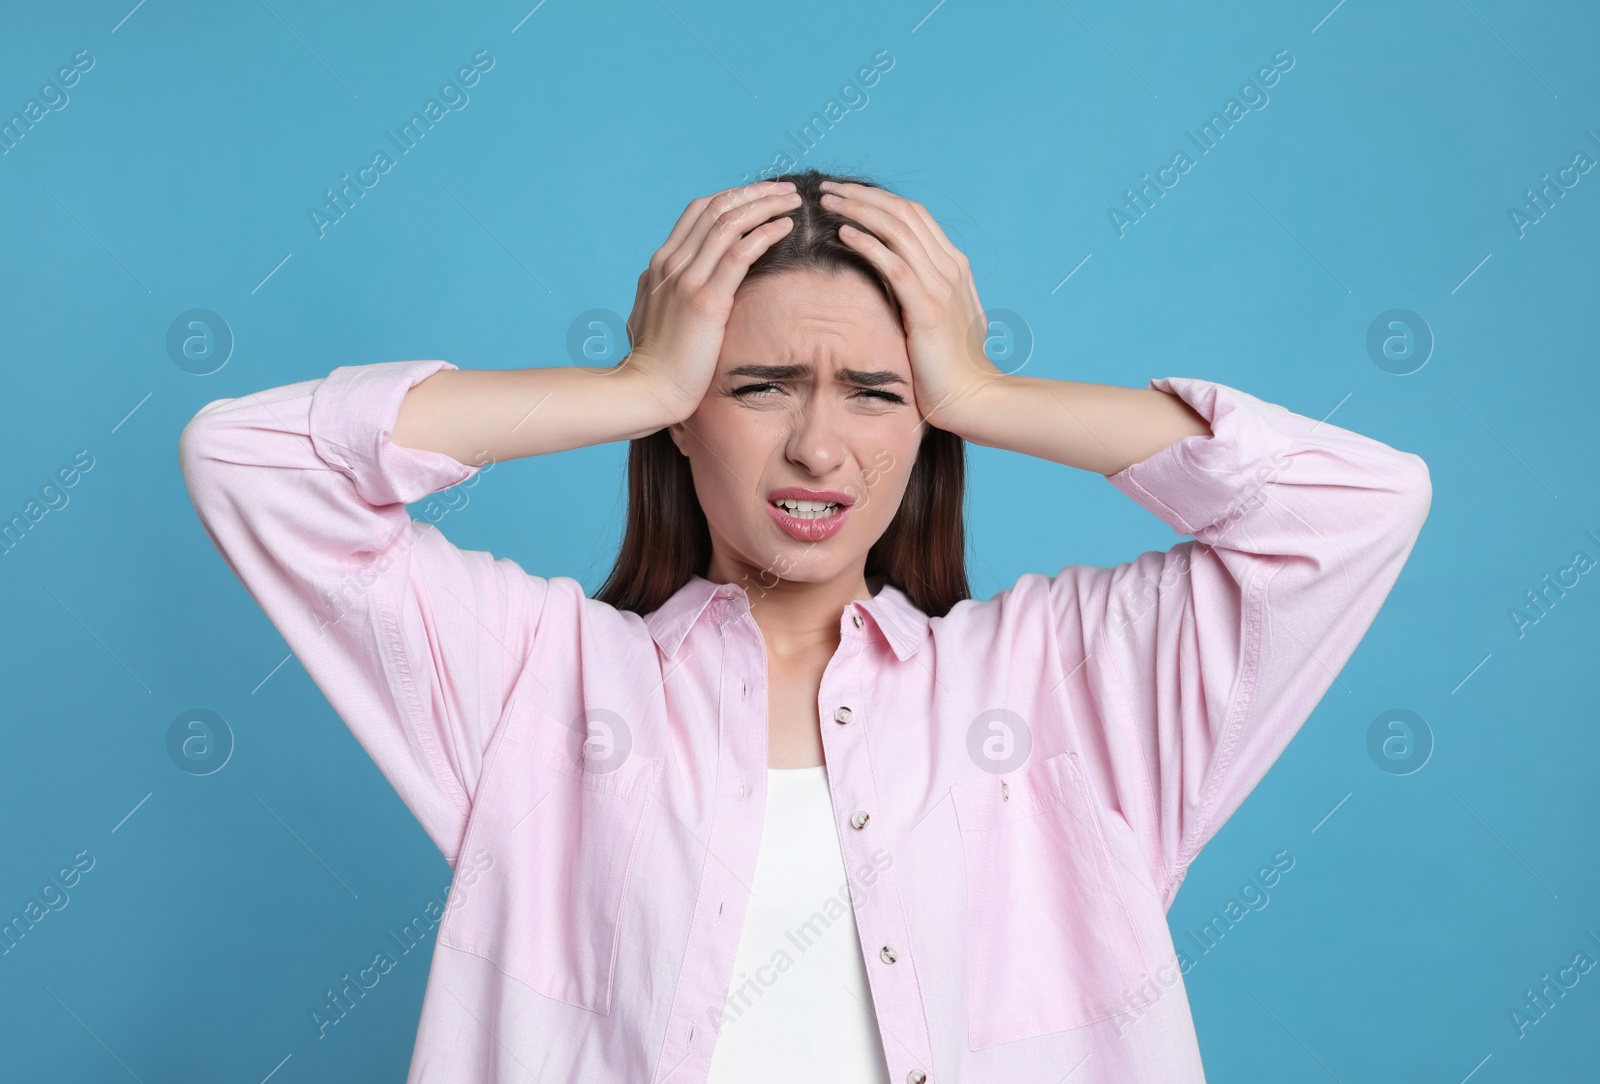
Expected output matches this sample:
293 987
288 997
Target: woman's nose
817 442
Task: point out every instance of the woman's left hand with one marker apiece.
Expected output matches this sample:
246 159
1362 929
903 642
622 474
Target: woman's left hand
944 320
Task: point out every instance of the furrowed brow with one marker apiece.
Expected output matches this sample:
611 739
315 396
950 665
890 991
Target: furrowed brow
875 379
771 372
871 379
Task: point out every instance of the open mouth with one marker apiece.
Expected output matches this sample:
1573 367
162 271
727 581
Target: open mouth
810 518
808 509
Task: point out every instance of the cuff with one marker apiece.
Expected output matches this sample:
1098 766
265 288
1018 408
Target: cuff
1198 481
352 418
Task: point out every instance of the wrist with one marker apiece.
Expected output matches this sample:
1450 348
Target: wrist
961 409
658 397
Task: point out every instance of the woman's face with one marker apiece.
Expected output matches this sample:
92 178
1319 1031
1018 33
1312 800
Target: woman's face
812 398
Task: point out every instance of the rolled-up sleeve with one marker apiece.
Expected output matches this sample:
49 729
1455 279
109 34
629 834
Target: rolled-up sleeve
1202 661
415 643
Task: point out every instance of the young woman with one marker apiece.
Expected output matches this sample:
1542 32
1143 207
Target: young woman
781 802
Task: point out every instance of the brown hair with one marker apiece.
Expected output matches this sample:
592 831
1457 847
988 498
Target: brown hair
666 539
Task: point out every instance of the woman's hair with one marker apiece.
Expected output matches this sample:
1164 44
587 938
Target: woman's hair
666 539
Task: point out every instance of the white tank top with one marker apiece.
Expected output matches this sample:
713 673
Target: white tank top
798 1006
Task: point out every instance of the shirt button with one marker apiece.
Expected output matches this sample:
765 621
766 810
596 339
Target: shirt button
841 715
889 954
859 818
856 619
916 1076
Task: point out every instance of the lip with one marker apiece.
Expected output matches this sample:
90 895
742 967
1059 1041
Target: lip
809 530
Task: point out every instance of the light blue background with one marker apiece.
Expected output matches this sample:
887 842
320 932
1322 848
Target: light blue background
1380 176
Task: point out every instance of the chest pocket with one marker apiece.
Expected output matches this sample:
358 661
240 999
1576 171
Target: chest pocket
560 842
1050 943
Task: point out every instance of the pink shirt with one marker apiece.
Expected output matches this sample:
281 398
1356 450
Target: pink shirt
1018 787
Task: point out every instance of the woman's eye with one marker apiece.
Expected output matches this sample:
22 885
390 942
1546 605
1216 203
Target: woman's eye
882 396
759 391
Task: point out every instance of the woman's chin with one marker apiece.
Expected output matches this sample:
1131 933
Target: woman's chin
790 562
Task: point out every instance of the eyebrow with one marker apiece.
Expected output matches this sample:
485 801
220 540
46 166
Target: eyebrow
875 379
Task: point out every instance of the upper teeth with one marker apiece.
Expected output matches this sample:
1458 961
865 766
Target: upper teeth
793 506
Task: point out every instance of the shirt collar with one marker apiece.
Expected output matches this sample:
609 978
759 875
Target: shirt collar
894 615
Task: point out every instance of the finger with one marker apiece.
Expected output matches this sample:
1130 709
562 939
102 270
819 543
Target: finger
666 257
895 217
725 230
730 270
908 286
959 266
691 213
692 230
680 230
931 231
959 257
891 232
912 213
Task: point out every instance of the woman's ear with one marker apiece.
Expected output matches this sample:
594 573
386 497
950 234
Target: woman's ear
678 431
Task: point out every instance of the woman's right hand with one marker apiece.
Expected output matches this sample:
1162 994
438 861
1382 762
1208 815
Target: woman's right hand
680 311
680 315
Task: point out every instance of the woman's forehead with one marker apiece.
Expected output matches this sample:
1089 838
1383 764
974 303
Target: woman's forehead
805 290
815 317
